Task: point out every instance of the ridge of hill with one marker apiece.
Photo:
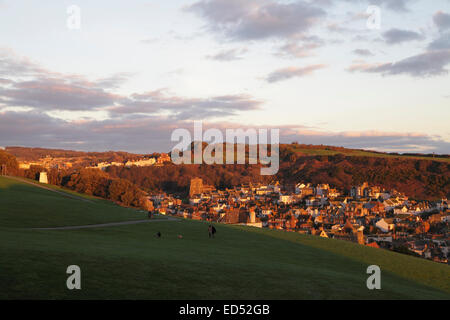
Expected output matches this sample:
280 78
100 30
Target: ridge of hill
423 178
33 153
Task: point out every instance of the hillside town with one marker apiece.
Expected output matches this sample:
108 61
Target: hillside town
368 215
49 162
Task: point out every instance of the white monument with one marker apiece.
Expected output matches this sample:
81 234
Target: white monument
43 177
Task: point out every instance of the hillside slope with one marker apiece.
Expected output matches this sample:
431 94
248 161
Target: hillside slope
129 262
419 179
24 204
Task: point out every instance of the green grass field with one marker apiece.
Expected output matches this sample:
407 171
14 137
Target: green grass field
129 262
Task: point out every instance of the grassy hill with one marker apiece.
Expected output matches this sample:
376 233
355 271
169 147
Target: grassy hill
311 150
26 205
129 262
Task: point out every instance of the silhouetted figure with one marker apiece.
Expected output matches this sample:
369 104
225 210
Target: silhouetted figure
211 231
158 235
150 214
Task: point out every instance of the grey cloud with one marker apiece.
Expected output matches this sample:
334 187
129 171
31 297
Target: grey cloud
442 20
395 5
441 43
395 36
160 101
39 130
6 81
301 49
43 90
34 128
60 94
387 142
338 27
431 63
113 82
257 19
292 72
228 55
13 65
27 84
363 52
150 134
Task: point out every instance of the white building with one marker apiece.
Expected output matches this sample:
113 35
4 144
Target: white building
141 163
384 226
43 177
285 198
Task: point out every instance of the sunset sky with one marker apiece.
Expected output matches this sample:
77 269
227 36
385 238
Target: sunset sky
136 70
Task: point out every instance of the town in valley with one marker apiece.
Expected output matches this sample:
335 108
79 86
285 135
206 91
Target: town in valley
367 214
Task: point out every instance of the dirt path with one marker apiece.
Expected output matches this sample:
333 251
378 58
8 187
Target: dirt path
111 224
65 194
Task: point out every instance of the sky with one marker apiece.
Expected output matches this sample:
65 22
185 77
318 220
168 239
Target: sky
123 75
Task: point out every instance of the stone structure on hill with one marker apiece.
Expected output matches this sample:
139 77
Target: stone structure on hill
43 177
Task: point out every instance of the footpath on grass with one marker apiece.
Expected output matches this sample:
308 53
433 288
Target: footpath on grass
111 224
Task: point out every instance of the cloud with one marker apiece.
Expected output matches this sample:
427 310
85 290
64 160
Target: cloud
373 140
13 65
441 43
293 72
362 66
34 87
396 36
114 81
37 129
363 52
430 63
29 85
257 19
149 134
227 55
162 102
300 50
442 20
5 81
394 5
56 94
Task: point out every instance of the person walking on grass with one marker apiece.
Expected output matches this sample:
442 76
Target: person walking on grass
211 231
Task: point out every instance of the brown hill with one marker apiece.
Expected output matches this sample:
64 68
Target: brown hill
419 176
